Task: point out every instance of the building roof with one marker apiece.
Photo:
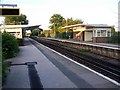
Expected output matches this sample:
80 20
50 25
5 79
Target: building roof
20 26
88 25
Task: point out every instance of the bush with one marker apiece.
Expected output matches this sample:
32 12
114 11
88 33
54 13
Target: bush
65 35
9 45
62 35
115 38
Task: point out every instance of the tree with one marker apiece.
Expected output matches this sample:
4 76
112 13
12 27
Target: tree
113 29
36 32
56 20
70 21
16 20
78 21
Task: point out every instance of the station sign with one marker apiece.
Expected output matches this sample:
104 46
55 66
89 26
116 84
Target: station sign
9 11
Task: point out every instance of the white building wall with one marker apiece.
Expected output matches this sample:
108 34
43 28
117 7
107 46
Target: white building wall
88 36
99 29
17 32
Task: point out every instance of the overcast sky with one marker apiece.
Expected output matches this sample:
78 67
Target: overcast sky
90 11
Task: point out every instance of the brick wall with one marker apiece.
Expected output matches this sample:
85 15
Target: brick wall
100 39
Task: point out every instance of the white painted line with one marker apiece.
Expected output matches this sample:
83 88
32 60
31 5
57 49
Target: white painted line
109 79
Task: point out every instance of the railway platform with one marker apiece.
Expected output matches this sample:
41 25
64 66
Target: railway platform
103 49
53 70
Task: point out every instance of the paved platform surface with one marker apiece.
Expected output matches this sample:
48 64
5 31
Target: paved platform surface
107 45
54 70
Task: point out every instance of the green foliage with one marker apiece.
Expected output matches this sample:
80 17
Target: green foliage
9 49
115 38
45 32
83 50
16 20
78 21
61 35
56 20
70 21
69 34
113 30
48 35
65 34
36 32
9 45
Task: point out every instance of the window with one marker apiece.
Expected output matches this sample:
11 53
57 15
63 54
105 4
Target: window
109 33
103 33
98 33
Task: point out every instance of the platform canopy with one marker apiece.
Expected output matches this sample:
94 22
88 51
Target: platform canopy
24 27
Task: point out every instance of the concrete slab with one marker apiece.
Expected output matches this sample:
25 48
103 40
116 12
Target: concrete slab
52 76
17 78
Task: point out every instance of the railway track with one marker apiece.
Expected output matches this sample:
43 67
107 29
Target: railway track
107 69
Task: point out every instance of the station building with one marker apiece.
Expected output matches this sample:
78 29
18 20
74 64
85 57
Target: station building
98 33
18 30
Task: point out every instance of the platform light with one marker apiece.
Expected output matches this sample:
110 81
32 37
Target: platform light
9 11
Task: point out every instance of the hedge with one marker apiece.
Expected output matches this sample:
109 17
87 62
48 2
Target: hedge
10 45
115 38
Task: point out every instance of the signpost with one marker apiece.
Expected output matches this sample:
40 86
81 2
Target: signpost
8 5
9 11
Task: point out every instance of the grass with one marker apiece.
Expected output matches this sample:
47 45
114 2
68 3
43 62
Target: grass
83 50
